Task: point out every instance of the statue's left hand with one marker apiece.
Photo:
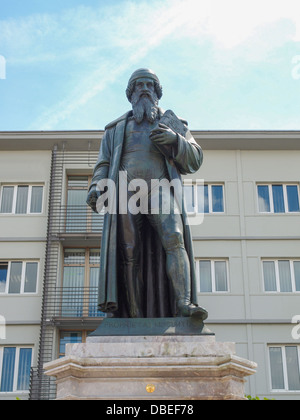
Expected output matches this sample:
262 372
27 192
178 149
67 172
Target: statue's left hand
163 135
92 198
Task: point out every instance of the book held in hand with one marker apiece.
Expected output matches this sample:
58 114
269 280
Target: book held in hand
172 121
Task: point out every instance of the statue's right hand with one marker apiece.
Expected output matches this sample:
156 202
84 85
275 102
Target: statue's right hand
92 198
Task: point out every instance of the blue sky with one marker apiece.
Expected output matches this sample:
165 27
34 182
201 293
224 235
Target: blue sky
223 64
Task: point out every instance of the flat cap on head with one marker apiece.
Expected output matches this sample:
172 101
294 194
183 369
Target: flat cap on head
143 73
140 73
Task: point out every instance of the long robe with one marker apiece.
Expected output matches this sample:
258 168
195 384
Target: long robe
159 300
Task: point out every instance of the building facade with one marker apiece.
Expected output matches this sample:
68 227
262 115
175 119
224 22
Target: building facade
247 252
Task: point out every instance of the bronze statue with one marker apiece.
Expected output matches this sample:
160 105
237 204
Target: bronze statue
147 263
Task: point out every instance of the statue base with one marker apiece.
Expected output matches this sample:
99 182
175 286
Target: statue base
151 326
169 366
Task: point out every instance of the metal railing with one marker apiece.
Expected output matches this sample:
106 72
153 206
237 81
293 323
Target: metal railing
42 387
63 304
59 304
74 302
76 219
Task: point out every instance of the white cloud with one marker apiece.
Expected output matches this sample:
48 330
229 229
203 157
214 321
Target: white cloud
152 26
108 41
232 22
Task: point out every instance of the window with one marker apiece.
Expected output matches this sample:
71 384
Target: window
79 217
212 276
80 283
21 199
284 366
281 275
71 337
3 276
18 277
15 364
204 198
67 337
278 198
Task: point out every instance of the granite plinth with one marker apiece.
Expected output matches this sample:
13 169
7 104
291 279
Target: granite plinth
170 367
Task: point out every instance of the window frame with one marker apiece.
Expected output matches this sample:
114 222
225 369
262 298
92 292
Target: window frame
271 199
284 367
23 274
213 276
73 211
186 183
29 198
277 275
86 264
16 367
86 309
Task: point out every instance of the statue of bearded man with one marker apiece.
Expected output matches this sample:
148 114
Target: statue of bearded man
146 263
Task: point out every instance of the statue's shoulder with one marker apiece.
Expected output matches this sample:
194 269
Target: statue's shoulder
127 114
116 121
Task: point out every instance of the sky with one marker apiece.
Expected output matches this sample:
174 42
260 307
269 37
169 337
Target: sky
223 64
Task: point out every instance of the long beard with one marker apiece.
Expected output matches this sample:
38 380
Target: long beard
144 107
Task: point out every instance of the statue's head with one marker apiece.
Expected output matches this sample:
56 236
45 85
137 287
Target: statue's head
143 92
142 74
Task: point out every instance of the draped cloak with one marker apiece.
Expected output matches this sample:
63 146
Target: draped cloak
158 299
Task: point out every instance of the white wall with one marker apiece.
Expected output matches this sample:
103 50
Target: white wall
23 237
246 314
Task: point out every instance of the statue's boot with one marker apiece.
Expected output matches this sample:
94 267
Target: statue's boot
184 306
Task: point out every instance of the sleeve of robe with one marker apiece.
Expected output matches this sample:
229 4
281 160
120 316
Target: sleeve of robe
101 169
189 155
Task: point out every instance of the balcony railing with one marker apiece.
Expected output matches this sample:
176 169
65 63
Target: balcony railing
64 304
74 302
41 387
76 219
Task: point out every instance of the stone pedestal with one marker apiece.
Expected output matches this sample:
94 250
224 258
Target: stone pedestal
151 367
